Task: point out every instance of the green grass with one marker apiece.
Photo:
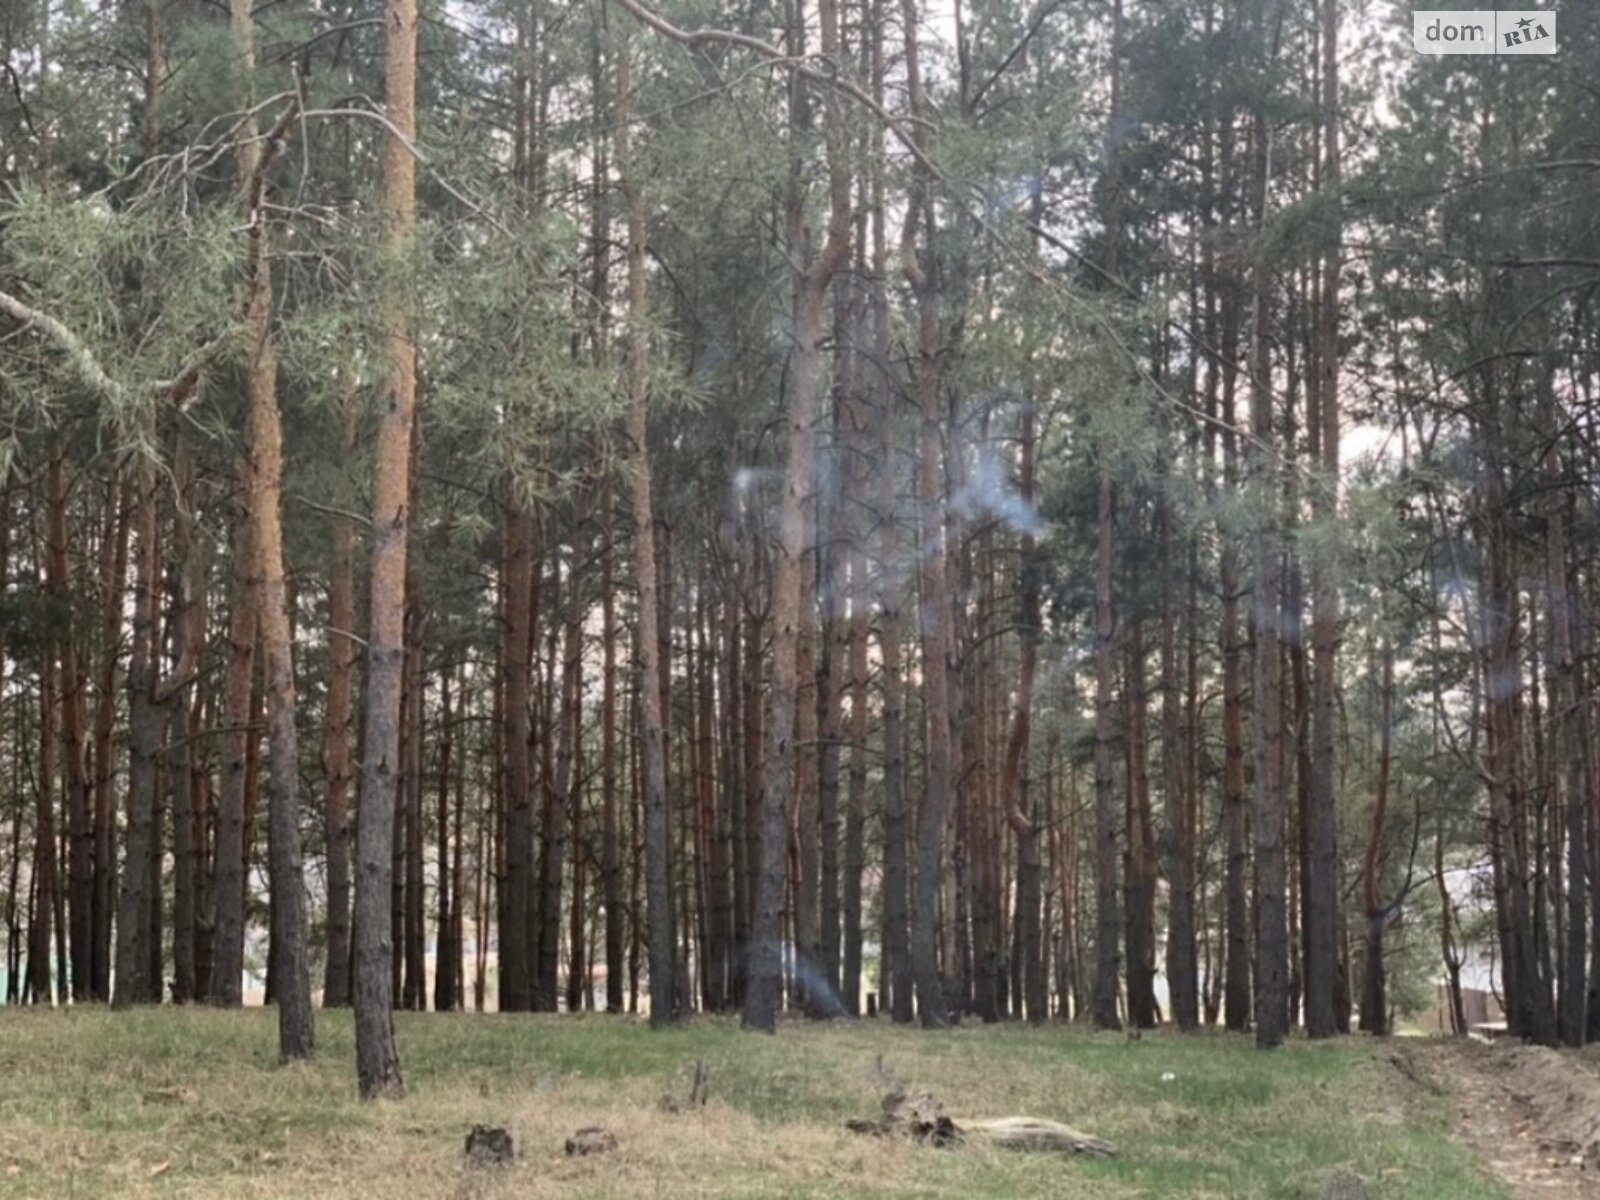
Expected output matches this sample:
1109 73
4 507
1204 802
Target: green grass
193 1103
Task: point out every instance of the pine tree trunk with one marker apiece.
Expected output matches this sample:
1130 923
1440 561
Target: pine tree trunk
132 980
563 793
337 722
933 577
1139 876
611 834
44 875
1529 1010
664 1002
227 982
1321 885
1107 918
713 829
1567 747
734 785
895 972
113 577
80 857
810 278
187 626
830 689
377 1065
1375 991
516 650
1182 977
1272 948
413 928
446 954
1107 818
263 478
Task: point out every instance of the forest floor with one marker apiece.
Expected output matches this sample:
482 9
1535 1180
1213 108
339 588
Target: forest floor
1531 1114
193 1103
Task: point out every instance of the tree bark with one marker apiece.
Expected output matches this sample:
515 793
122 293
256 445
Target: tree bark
377 1064
1321 888
263 498
1140 870
446 953
1567 744
1015 774
227 984
1375 991
80 858
664 1001
337 722
1107 918
113 578
611 817
895 974
132 981
810 278
1182 977
933 573
1272 947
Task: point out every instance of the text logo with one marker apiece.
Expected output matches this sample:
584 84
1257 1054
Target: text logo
1484 31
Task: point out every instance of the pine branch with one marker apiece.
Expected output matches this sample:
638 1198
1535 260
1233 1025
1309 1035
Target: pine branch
84 363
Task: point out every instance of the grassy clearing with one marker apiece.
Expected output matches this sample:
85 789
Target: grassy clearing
192 1103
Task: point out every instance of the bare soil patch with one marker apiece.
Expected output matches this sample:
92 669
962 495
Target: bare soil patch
1531 1114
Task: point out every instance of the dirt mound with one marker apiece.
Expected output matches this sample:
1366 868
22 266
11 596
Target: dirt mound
1530 1114
1561 1096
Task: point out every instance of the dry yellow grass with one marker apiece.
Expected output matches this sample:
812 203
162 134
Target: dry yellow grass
192 1103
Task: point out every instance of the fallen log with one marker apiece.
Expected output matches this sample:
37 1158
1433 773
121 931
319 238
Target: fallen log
1033 1133
921 1118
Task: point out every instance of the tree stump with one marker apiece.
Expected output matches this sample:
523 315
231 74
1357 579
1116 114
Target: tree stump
488 1146
592 1139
